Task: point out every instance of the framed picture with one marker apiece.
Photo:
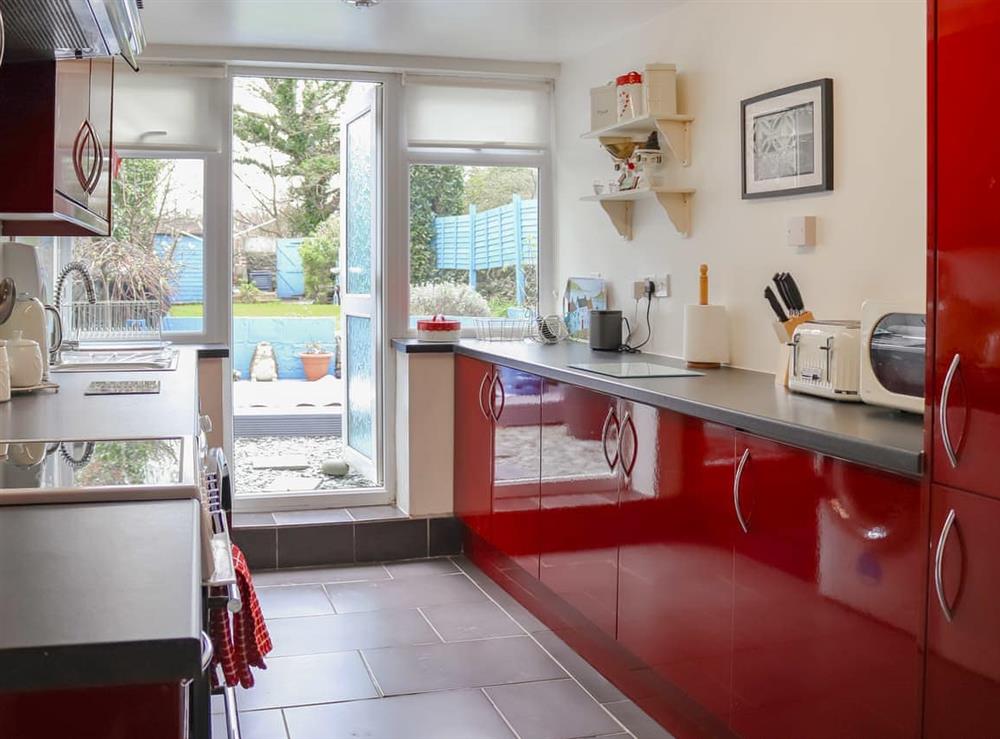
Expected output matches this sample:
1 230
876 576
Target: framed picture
583 294
788 141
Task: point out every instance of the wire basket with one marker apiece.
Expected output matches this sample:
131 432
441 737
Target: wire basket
113 320
504 329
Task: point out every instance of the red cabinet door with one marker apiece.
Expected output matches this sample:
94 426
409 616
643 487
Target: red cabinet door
675 593
829 587
72 116
514 401
473 444
962 692
579 497
968 246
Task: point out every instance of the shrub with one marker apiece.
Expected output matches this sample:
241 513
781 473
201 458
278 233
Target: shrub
448 298
248 293
319 253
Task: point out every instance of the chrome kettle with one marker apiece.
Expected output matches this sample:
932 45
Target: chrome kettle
29 316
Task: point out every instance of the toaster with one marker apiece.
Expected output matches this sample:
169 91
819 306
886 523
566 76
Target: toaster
825 360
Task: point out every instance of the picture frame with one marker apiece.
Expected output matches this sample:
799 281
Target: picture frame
787 141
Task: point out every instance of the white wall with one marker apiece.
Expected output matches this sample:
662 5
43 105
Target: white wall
871 228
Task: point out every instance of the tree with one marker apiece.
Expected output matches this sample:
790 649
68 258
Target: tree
434 191
491 187
297 140
319 254
130 264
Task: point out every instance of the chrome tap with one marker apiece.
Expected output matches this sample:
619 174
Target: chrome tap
88 285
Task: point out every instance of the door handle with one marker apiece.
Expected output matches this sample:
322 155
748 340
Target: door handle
497 383
482 386
949 522
736 491
86 137
207 651
3 41
943 411
611 419
627 422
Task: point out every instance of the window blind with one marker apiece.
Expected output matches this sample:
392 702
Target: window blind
170 108
445 112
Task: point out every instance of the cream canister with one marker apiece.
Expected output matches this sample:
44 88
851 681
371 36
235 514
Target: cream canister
25 361
4 375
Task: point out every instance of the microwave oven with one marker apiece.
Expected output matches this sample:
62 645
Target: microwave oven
893 355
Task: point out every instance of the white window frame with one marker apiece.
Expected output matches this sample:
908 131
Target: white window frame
393 222
538 159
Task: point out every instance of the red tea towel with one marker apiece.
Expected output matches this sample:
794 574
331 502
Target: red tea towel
250 636
245 644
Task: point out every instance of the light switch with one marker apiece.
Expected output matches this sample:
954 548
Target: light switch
802 231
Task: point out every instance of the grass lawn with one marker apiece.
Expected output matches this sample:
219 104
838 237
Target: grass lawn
274 309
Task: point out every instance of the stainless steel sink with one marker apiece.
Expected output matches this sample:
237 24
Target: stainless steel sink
117 360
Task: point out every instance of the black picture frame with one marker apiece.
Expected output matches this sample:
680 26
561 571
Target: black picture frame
825 86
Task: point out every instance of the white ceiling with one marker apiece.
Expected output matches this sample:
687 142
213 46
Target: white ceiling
516 30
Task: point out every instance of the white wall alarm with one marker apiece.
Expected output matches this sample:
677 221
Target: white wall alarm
802 231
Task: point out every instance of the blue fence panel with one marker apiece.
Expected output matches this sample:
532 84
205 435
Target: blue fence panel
291 280
495 235
189 256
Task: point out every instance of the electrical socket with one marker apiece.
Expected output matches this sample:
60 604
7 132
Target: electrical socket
661 287
640 288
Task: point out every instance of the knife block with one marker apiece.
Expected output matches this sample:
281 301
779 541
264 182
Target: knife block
784 330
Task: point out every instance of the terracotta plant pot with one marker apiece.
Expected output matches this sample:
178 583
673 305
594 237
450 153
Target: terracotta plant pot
315 365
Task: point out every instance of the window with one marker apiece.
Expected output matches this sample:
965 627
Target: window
473 241
149 274
478 154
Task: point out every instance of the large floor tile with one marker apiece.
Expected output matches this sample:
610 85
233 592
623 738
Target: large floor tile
261 725
287 601
599 686
347 631
471 621
637 721
559 709
404 593
300 681
420 567
473 664
446 715
317 575
520 614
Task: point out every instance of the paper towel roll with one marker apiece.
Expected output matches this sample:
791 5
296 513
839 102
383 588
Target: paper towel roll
706 334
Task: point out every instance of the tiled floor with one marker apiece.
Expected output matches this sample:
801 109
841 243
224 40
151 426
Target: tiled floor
429 649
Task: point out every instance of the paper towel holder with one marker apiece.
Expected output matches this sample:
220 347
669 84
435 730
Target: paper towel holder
706 330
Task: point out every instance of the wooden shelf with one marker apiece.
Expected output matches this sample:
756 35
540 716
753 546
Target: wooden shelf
674 133
619 206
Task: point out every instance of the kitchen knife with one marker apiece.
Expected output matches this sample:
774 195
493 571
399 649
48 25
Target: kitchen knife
783 291
793 292
775 304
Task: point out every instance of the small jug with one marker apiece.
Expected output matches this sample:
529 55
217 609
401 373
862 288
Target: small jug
25 359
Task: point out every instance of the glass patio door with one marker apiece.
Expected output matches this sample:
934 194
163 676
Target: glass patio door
360 279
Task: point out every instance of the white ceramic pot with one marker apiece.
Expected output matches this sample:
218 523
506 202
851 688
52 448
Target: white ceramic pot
28 454
25 356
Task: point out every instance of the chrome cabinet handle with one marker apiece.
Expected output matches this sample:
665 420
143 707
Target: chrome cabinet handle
482 386
497 383
611 419
943 411
3 39
949 521
628 467
736 491
207 651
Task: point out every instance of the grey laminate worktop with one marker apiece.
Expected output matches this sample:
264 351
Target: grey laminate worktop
750 401
99 594
69 414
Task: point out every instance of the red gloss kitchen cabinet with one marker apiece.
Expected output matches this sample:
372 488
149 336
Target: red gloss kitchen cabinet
473 444
675 592
966 155
962 689
579 500
829 592
514 403
57 133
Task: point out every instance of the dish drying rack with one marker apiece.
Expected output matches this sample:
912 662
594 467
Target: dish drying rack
113 321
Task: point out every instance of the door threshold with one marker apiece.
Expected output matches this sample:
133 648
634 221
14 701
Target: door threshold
270 502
